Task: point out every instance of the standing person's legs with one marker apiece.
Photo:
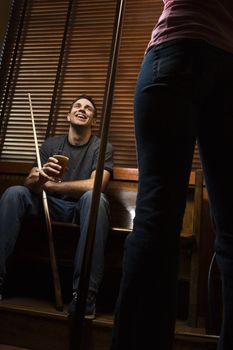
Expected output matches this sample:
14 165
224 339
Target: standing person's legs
165 131
216 150
16 203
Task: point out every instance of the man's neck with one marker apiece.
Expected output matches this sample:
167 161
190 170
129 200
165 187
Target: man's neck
79 137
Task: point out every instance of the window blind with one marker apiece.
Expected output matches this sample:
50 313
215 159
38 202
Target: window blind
64 50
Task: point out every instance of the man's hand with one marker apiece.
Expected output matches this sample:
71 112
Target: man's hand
50 170
38 177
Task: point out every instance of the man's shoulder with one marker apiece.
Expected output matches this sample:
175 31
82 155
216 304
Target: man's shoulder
54 144
56 139
96 141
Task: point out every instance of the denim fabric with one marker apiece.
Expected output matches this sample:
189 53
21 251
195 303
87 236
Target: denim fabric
184 94
18 203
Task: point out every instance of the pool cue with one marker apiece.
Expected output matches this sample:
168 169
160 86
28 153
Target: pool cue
53 261
76 341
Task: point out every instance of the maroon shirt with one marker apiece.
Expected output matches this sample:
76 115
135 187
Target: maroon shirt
208 20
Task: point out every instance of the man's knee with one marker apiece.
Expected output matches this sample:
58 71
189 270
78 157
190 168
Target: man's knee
103 202
15 192
87 196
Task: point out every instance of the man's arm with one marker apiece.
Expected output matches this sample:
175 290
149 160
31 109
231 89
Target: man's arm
77 187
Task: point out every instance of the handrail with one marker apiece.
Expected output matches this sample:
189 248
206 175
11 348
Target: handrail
119 173
77 322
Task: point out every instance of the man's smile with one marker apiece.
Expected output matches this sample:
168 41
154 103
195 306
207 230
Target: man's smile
81 116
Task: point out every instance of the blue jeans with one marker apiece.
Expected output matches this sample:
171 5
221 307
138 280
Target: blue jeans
19 203
184 94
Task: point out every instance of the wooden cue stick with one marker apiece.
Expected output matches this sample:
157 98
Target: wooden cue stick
56 279
76 341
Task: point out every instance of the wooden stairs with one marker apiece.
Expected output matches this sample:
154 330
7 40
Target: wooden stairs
35 324
28 318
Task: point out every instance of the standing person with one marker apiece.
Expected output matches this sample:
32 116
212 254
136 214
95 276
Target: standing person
184 93
69 200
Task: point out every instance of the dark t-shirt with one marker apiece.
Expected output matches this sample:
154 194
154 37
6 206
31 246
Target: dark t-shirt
82 159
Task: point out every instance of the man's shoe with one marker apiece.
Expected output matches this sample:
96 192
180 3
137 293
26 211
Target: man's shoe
71 307
90 305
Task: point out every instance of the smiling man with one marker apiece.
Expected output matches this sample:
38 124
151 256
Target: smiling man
69 199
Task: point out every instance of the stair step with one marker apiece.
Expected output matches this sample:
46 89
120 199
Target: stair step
32 306
33 324
9 347
36 324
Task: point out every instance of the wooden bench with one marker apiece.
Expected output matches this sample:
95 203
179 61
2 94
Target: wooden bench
32 243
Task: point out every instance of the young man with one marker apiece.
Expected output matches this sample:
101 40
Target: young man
69 200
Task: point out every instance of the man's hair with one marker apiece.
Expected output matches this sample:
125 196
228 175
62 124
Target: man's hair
89 98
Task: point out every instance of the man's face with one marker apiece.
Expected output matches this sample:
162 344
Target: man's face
82 113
